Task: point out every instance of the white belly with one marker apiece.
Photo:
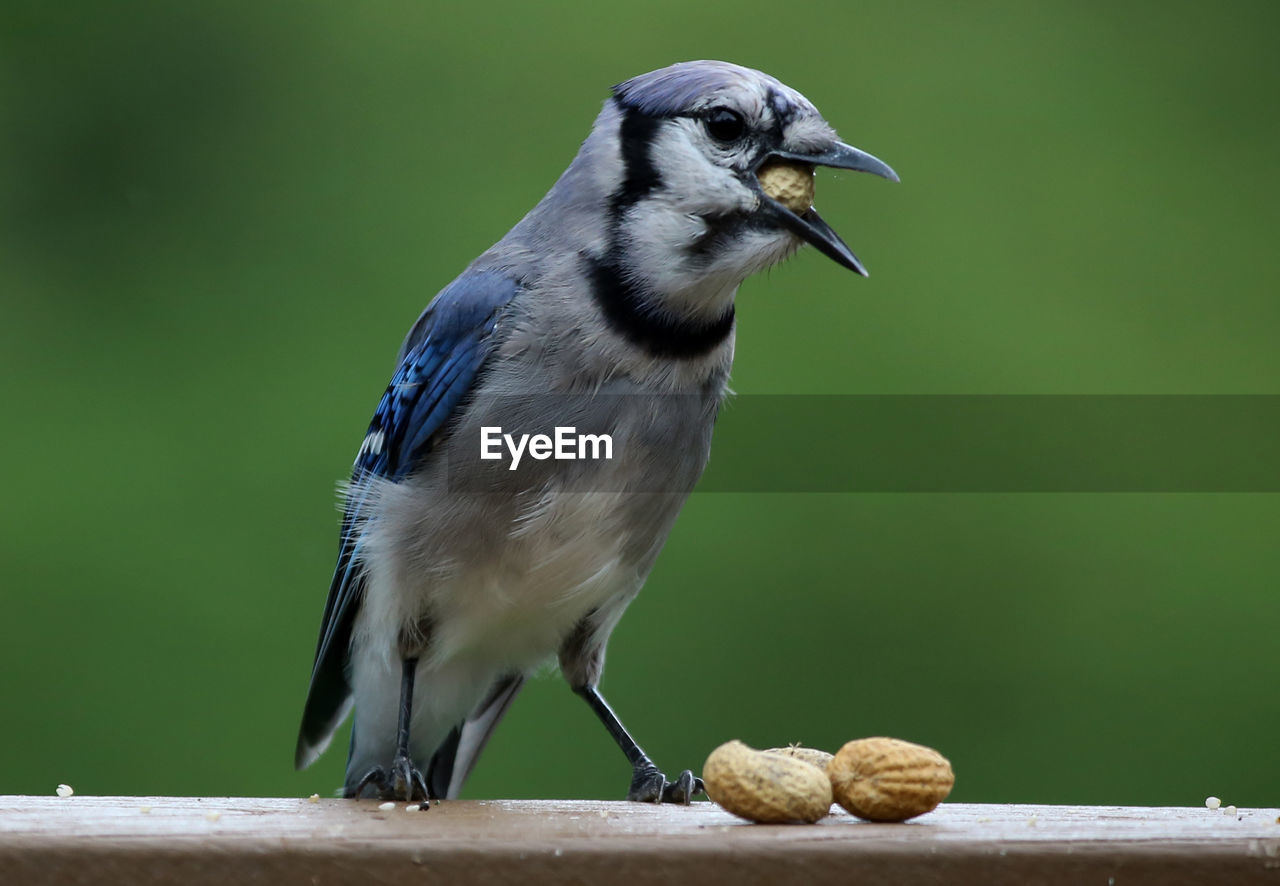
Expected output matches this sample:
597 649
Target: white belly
505 613
559 559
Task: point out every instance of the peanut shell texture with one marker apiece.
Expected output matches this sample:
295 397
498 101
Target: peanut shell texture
764 787
791 184
887 779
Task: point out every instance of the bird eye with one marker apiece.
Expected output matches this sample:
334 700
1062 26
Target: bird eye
725 125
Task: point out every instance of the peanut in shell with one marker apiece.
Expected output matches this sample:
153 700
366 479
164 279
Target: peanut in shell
812 756
766 787
887 779
791 184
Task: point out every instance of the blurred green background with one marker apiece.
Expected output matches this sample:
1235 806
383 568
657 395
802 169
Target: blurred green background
218 220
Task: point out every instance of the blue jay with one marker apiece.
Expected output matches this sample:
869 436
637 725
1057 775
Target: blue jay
457 576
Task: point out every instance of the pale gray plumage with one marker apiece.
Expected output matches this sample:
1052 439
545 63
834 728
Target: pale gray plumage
609 306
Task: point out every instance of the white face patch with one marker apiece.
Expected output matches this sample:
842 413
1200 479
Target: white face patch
703 226
698 176
670 236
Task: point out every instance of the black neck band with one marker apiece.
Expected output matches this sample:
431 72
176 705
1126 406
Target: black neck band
628 312
627 307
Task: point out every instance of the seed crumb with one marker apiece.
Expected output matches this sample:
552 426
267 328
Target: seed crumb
314 798
145 810
64 790
1230 810
1212 802
387 806
213 816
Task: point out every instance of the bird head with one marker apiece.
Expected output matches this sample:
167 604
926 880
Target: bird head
717 170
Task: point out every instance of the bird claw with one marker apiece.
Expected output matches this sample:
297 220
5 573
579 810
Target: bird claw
649 785
403 781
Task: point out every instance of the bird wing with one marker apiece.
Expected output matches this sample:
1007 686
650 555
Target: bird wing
437 367
456 757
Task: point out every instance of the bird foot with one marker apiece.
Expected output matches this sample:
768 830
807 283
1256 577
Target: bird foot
649 785
402 781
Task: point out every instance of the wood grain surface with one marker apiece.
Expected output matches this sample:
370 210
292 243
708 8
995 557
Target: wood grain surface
146 840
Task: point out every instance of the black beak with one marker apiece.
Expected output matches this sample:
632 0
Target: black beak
843 156
809 226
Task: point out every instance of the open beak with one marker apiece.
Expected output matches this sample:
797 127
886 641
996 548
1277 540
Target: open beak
807 224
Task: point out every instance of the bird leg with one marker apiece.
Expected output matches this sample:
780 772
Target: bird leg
403 780
648 783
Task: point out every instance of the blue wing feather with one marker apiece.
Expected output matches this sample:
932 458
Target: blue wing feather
438 363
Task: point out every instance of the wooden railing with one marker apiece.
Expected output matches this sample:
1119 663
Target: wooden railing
194 841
